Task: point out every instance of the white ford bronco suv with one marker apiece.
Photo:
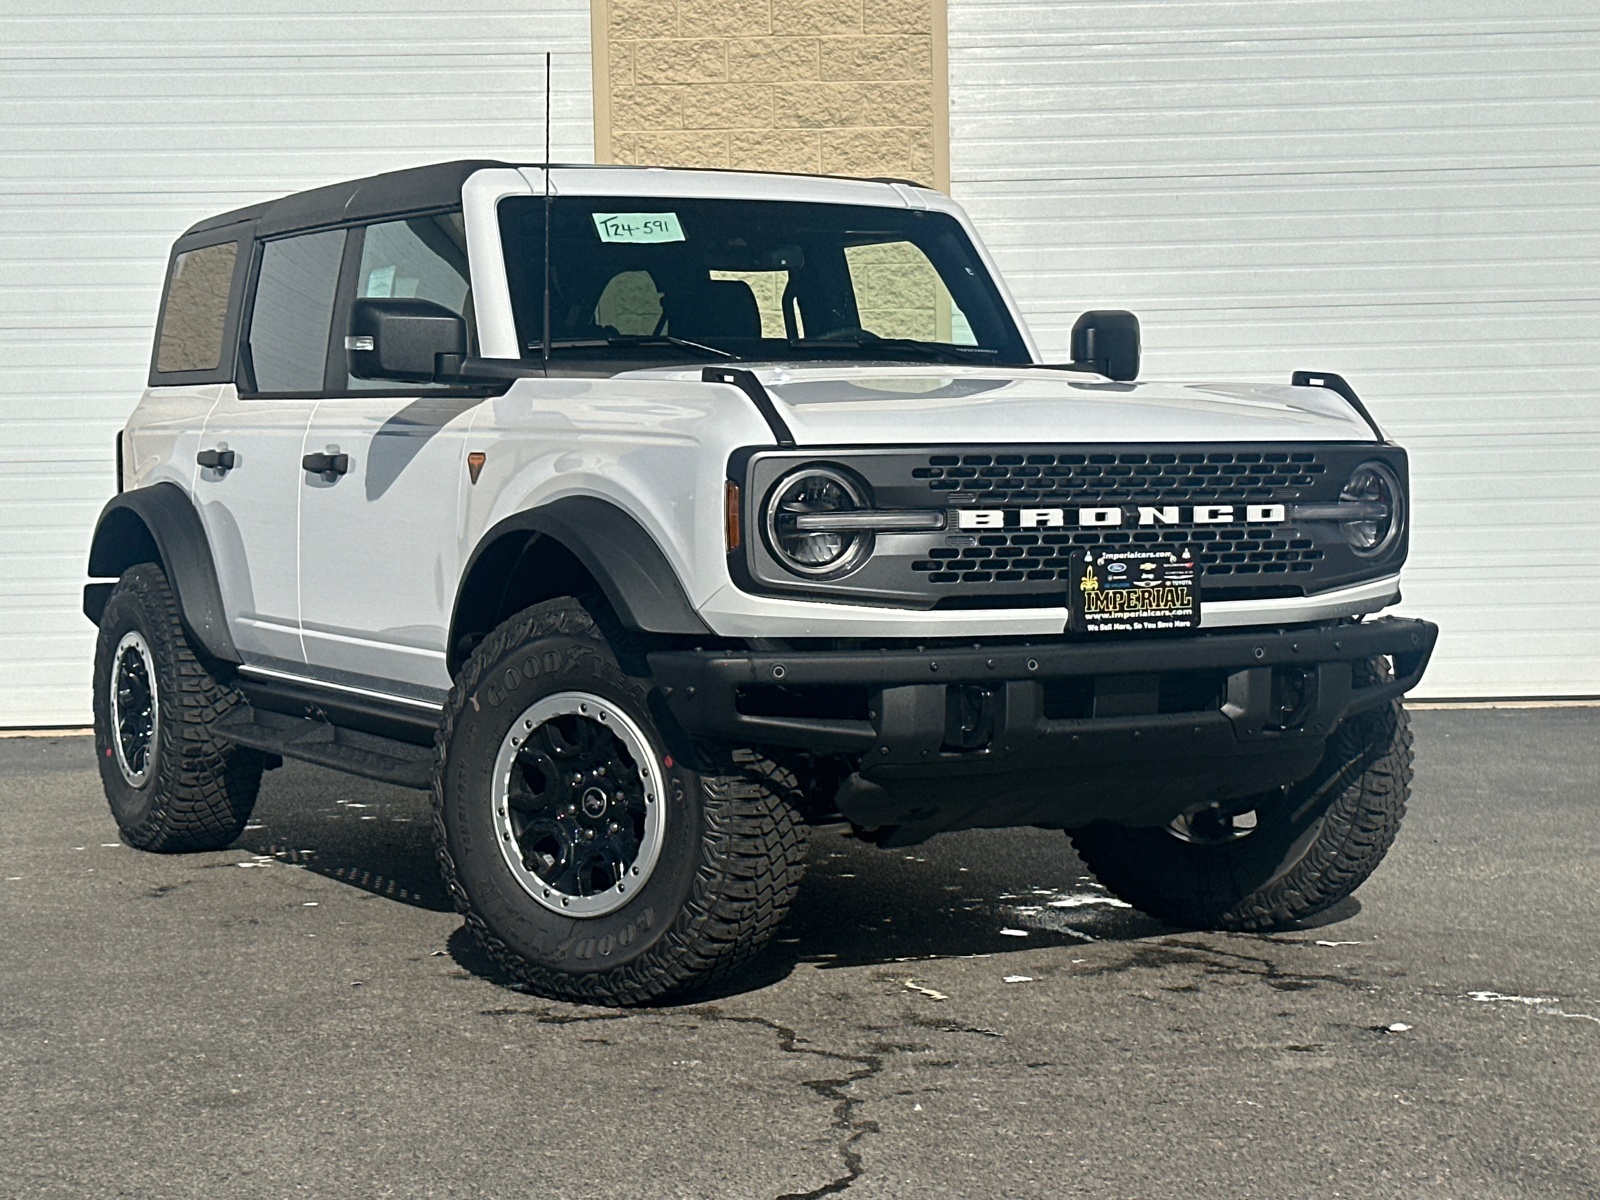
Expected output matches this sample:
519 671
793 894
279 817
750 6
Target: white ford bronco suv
652 517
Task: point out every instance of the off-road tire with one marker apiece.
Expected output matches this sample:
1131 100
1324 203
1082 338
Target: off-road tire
199 789
732 856
1314 844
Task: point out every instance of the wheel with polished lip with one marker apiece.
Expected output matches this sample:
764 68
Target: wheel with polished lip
1271 860
591 863
172 783
576 792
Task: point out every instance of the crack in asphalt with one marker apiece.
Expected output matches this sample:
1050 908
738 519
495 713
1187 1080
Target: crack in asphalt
844 1106
789 1042
1215 960
545 1016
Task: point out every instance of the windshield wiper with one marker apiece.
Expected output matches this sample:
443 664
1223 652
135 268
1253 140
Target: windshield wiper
643 339
937 350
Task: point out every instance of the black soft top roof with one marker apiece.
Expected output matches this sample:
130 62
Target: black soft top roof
355 200
416 188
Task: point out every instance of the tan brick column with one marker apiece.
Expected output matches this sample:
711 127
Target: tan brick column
843 87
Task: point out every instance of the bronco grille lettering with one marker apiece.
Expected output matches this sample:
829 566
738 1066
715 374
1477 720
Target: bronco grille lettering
1171 514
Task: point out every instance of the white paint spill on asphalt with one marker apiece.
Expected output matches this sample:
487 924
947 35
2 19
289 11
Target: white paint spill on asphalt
1543 1005
1493 997
1085 899
1019 978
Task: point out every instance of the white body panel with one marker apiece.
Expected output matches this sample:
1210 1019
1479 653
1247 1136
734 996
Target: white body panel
656 448
380 555
161 444
899 405
251 515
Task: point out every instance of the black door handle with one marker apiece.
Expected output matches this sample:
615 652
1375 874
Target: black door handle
217 460
326 464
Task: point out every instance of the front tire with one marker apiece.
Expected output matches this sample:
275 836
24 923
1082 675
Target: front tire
173 785
1309 846
591 864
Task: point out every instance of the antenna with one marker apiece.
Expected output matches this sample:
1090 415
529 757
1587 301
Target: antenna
545 344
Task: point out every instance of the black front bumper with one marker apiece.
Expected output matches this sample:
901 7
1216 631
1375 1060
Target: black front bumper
1143 724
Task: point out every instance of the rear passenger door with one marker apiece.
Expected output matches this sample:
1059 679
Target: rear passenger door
250 501
380 551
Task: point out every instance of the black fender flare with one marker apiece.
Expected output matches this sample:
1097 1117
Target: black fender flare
161 518
632 572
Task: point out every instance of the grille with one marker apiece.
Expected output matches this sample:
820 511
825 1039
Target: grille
1176 478
1016 557
1246 553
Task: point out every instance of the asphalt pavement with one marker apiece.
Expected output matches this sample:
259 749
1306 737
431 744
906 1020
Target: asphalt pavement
304 1015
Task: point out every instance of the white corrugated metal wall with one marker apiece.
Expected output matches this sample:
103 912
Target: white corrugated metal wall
1403 191
122 122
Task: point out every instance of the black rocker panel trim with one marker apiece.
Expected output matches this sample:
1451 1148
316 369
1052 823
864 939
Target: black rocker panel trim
611 546
347 710
162 518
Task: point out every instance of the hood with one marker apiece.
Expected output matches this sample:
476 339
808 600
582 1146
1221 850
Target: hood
880 404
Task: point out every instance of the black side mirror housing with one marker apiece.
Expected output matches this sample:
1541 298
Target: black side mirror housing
403 339
1108 341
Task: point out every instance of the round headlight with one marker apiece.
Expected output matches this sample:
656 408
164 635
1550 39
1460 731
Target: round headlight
1377 490
800 545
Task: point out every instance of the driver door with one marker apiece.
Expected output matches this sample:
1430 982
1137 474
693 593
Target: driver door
380 551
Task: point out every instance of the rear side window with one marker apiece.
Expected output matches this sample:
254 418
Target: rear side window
293 312
196 312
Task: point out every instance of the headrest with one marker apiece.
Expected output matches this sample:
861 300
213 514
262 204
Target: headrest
716 308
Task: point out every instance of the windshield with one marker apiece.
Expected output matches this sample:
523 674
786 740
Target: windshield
707 280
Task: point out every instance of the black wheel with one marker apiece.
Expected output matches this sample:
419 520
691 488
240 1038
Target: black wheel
1274 859
591 865
173 785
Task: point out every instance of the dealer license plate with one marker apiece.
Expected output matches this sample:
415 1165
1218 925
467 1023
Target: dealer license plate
1123 590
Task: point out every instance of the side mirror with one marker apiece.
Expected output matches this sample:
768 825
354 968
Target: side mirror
402 339
1108 341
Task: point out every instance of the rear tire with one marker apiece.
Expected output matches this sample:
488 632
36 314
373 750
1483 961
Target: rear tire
1312 844
173 785
591 865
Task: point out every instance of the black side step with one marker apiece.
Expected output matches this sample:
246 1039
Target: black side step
314 741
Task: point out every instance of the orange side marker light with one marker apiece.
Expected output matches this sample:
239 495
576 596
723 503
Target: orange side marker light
732 517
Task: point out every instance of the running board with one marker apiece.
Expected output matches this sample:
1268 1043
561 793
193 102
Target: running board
314 741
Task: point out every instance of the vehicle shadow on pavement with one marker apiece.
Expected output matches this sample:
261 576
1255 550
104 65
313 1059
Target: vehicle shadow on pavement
972 893
371 836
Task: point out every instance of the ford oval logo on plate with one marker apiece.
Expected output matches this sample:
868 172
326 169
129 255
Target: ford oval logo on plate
1116 568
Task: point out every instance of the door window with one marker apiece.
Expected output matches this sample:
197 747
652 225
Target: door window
293 312
423 258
